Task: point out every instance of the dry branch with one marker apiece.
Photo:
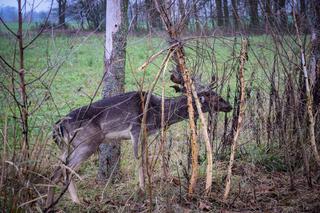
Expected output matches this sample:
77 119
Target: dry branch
179 58
243 58
308 92
207 141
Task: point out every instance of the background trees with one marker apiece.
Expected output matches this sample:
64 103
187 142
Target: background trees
200 16
144 16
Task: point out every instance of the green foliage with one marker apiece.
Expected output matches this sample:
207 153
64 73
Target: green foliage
268 157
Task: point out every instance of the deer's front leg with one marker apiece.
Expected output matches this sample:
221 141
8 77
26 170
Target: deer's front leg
135 142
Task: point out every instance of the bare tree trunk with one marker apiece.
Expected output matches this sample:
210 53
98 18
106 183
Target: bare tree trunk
196 17
315 57
267 14
62 4
219 13
114 76
226 13
283 14
179 58
207 142
308 94
235 14
243 59
254 17
153 15
182 11
184 17
315 63
211 13
280 11
23 92
135 15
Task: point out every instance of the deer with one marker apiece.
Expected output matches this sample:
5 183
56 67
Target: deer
80 132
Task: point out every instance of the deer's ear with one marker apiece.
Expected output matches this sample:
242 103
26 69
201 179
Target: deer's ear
202 99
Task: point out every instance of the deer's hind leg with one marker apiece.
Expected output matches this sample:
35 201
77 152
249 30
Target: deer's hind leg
81 153
84 145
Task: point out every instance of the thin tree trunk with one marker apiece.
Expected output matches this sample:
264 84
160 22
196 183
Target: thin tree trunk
62 4
268 18
219 13
254 17
235 14
226 13
194 144
182 11
179 58
135 16
283 14
23 92
211 13
243 59
315 63
196 17
308 94
114 76
153 16
280 11
204 127
315 56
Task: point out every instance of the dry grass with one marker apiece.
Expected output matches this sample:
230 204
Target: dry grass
254 188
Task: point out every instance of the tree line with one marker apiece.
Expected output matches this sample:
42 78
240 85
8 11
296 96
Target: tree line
200 16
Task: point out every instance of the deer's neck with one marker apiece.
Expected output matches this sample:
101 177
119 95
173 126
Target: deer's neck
176 110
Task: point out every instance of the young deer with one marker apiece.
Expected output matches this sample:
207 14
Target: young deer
81 132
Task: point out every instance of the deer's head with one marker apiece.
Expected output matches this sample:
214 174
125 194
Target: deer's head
210 100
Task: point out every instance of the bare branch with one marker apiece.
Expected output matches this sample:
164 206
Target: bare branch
41 30
8 28
7 63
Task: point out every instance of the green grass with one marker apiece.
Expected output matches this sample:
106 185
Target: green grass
72 66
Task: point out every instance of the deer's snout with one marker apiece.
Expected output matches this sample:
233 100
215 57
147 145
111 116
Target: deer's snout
227 108
224 106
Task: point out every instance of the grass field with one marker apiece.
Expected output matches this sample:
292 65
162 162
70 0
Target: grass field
75 64
71 67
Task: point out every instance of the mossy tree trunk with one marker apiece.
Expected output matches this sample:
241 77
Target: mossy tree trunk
113 78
